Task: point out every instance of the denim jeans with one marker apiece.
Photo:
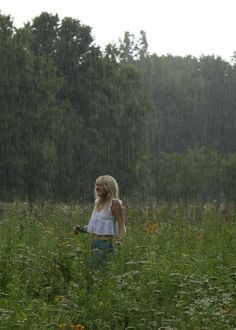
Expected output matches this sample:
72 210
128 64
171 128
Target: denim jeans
102 251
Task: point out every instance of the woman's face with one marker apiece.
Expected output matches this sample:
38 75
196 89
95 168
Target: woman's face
101 189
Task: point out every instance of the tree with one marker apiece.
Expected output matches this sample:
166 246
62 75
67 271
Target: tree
45 31
142 46
128 48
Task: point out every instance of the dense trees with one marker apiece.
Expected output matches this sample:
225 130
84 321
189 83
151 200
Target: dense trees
164 126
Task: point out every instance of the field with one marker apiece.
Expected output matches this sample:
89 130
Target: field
176 270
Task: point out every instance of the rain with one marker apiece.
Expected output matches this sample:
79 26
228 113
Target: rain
165 127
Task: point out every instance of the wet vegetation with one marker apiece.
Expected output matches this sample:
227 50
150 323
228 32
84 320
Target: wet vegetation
164 126
176 270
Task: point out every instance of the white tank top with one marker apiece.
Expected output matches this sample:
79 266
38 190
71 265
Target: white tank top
103 222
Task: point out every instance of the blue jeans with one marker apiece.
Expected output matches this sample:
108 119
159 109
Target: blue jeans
102 251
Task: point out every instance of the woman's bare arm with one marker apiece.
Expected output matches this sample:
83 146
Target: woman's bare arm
118 213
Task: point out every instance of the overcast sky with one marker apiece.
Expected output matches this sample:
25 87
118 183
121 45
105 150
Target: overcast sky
177 27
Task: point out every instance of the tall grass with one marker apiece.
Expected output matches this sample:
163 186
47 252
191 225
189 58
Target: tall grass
176 270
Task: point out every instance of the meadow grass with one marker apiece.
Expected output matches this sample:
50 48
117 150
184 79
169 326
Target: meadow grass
176 270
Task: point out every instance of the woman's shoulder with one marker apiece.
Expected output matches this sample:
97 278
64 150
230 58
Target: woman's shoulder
116 201
116 204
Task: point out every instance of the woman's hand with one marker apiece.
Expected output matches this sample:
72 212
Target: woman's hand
76 229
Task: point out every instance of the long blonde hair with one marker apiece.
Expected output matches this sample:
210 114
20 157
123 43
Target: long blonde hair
112 191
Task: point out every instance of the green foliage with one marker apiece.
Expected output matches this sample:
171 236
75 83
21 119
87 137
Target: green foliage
198 174
193 102
163 126
65 111
176 269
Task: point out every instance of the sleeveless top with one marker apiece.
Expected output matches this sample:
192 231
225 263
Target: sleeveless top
103 222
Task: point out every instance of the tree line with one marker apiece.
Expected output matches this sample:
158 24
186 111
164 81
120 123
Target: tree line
164 126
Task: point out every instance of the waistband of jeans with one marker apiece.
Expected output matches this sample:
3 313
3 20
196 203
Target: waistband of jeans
102 237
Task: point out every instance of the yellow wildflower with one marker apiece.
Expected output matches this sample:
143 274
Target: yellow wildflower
150 228
199 237
224 311
77 327
59 298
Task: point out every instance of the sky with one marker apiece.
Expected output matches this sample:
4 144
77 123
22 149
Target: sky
177 27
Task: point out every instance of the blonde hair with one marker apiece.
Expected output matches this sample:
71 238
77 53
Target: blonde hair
112 191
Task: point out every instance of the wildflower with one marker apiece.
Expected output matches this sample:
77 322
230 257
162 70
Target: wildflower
150 228
224 311
77 327
199 237
59 298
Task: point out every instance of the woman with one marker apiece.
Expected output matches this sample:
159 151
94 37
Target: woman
107 215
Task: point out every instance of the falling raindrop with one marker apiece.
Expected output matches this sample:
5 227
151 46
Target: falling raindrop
163 125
